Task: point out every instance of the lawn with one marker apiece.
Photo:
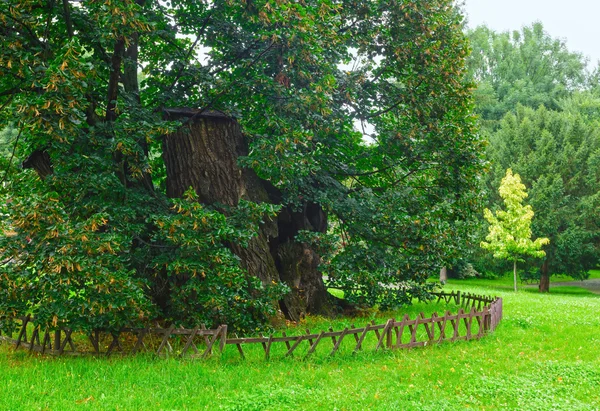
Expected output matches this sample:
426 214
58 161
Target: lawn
544 355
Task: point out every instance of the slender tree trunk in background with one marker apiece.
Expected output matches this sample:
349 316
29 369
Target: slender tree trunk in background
544 278
204 154
443 275
132 89
515 274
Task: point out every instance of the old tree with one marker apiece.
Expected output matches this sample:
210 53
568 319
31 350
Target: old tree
197 161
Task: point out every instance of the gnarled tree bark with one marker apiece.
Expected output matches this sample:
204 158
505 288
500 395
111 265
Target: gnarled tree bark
203 154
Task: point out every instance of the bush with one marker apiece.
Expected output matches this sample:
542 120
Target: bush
106 268
462 269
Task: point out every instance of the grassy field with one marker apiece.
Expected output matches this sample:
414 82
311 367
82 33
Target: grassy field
544 355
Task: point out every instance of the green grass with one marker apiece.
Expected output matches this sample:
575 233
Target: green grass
543 356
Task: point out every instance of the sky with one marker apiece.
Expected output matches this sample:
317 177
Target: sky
575 21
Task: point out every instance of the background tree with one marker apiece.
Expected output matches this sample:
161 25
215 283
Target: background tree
509 235
109 232
537 110
557 153
526 67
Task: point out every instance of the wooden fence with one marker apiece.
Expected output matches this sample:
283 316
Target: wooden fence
476 316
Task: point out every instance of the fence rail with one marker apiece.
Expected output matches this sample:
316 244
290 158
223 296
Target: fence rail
477 316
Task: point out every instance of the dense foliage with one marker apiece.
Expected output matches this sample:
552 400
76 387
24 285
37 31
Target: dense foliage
557 153
539 111
526 67
95 238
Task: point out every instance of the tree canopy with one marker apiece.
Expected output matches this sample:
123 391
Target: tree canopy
97 91
557 153
509 235
527 67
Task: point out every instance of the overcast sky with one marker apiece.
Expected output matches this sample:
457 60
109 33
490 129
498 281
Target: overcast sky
576 21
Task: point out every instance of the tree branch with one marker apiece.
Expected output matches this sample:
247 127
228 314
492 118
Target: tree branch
189 51
113 82
68 22
32 36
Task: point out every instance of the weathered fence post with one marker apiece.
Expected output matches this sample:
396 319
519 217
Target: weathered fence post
57 340
223 337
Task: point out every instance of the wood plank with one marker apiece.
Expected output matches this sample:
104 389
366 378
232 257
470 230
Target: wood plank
22 337
65 341
479 319
190 342
299 339
34 335
114 343
429 326
210 344
204 330
337 345
140 340
486 319
223 341
46 341
353 327
240 350
313 347
268 348
442 328
310 340
287 343
384 334
468 321
400 329
361 339
165 340
413 331
57 340
254 340
95 341
398 336
376 330
388 334
264 343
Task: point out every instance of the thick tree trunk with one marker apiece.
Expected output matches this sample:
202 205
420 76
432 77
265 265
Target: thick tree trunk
545 278
39 160
298 263
203 155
